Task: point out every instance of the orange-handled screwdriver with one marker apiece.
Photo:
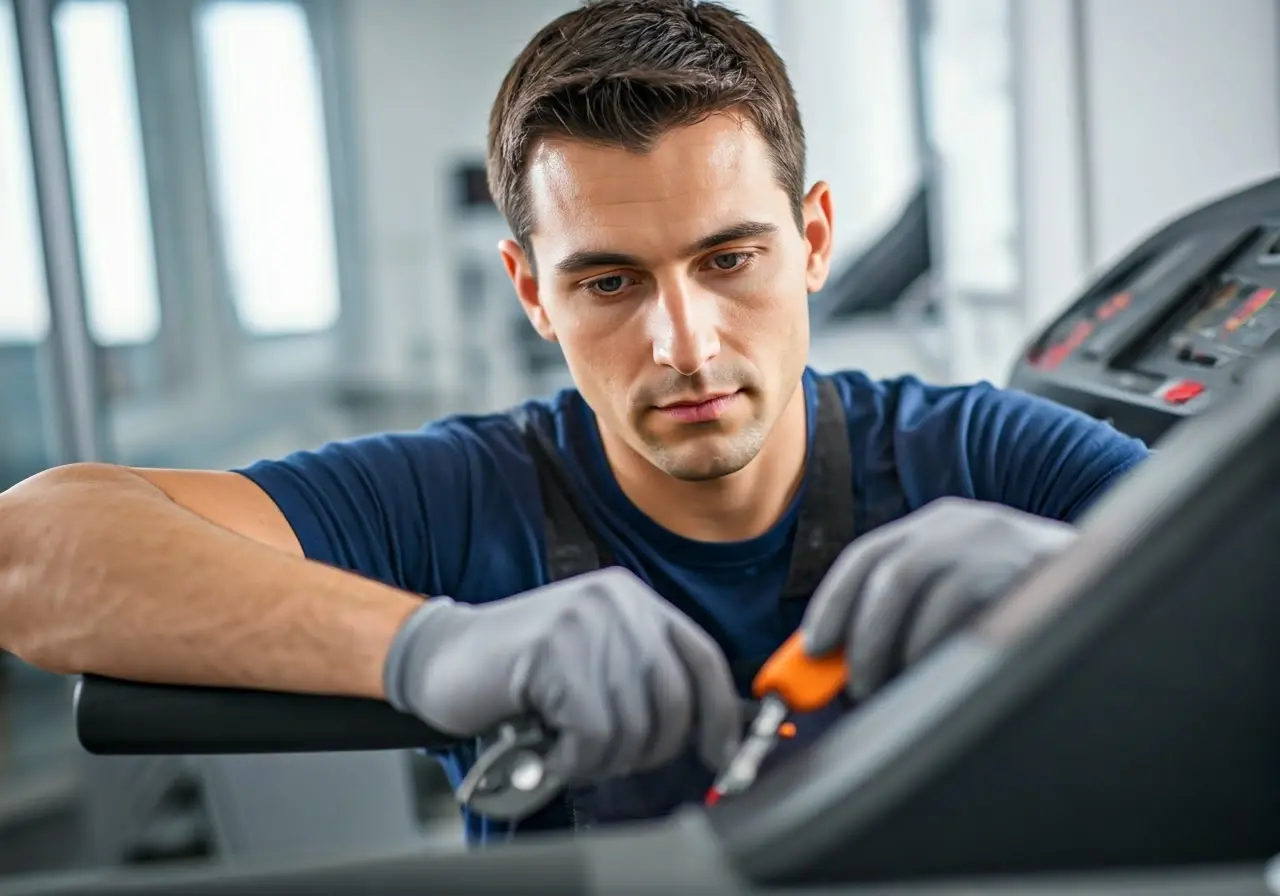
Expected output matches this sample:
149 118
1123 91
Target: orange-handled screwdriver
789 681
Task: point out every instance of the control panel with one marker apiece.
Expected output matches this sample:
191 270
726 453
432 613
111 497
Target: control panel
1168 331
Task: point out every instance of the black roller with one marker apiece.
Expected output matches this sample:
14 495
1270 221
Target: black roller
126 718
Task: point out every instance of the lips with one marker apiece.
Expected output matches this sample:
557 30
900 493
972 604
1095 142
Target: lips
699 410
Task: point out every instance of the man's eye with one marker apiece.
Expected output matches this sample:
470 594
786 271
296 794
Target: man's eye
609 285
727 261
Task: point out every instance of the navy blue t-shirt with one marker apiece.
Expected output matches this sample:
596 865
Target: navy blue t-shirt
454 508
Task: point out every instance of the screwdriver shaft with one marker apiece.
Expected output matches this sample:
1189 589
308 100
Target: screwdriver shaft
742 769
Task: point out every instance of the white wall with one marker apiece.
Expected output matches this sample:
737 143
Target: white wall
1183 105
1054 238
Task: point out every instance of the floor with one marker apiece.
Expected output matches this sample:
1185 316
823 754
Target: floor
36 725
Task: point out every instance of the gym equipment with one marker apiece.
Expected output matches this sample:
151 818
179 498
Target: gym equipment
1114 715
1173 326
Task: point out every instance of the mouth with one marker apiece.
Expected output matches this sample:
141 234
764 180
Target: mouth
701 409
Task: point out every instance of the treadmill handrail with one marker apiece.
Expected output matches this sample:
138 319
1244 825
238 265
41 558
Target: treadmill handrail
126 718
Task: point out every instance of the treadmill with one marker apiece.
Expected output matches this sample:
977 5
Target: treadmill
1110 727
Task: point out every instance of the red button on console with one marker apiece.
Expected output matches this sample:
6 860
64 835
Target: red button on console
1182 391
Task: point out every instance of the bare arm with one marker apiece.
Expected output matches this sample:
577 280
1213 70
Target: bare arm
185 578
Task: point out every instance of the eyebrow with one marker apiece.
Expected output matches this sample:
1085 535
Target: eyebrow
585 259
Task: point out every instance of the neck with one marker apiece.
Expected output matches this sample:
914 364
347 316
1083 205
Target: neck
736 507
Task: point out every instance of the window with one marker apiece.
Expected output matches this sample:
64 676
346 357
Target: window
108 171
24 303
268 148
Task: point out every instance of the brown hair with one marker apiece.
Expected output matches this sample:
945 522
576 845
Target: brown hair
623 73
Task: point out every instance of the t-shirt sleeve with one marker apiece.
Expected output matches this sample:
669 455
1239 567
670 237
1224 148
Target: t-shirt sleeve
1007 447
1039 456
392 507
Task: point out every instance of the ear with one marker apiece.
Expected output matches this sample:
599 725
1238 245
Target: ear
525 280
818 224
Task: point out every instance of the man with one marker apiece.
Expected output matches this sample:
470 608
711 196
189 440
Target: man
619 559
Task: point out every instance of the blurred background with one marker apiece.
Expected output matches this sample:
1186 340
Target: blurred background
232 228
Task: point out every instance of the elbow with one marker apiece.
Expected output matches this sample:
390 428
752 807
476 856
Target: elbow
22 631
35 519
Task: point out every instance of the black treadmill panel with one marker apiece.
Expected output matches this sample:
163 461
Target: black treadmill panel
1220 324
1097 325
1229 322
1172 328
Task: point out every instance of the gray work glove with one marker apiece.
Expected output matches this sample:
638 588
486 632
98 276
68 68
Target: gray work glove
624 679
895 593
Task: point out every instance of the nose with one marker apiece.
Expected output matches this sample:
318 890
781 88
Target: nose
685 329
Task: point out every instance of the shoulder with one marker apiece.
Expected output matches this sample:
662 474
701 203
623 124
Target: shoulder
419 508
905 400
494 497
404 466
502 526
904 410
979 441
908 402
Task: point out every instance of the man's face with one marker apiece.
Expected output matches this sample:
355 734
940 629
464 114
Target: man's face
676 283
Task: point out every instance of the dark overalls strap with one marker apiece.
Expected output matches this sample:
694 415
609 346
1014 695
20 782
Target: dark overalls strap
572 548
825 527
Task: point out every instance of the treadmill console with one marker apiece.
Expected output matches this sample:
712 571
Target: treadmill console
1172 329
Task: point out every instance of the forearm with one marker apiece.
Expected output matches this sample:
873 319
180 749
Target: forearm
100 572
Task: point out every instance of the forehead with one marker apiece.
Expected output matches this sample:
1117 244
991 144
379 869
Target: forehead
694 181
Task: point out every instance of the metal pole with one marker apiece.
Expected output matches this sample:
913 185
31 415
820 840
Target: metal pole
918 19
1085 97
77 408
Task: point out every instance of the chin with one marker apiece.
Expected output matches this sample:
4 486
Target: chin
706 457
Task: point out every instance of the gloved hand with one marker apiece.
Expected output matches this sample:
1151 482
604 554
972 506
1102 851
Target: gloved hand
625 680
895 593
